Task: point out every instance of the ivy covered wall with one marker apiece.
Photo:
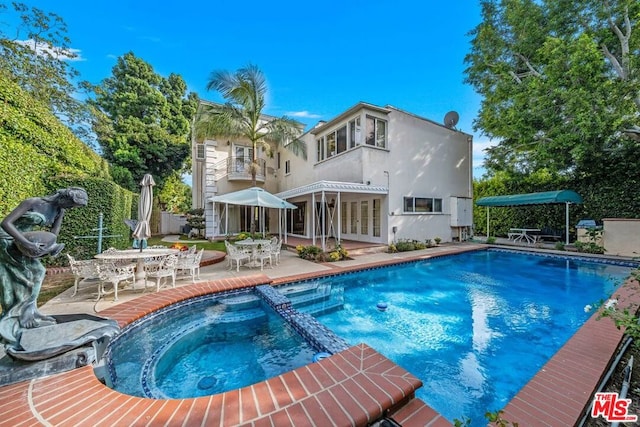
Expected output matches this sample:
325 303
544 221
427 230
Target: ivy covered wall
35 146
39 155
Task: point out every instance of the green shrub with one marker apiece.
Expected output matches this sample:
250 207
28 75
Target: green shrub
589 248
308 252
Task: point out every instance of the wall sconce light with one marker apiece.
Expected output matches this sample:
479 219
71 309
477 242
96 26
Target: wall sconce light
332 203
228 142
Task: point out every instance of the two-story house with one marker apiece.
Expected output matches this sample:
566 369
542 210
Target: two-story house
372 174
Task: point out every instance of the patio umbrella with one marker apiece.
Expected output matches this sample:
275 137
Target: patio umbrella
143 231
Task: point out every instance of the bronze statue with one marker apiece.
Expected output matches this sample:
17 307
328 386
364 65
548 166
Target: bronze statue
24 240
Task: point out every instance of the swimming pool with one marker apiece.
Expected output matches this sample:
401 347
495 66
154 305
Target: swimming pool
473 327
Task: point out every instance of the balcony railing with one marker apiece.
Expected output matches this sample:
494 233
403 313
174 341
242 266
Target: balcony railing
239 169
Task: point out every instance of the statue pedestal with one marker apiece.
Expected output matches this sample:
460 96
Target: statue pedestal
75 341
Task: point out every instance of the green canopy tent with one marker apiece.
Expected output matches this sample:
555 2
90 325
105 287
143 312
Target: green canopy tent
547 197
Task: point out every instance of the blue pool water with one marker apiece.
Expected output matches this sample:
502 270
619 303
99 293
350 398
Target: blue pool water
204 347
473 327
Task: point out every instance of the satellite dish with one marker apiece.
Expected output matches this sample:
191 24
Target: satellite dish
451 119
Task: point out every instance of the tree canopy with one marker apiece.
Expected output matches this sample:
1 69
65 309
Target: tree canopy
37 56
242 116
560 81
560 84
142 121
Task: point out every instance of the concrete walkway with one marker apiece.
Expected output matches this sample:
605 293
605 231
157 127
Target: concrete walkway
290 266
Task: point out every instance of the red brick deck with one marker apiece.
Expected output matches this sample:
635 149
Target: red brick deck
351 388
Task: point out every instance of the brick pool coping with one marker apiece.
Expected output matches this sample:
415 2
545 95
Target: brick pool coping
353 387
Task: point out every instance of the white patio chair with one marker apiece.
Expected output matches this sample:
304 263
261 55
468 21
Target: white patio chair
191 264
110 272
83 270
275 251
236 254
263 253
165 268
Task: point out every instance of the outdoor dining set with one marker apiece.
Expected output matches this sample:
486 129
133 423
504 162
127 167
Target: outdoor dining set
138 267
253 253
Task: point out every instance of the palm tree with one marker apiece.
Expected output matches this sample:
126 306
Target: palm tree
241 116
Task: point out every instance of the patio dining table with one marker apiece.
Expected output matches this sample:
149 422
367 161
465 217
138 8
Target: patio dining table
253 244
520 234
139 257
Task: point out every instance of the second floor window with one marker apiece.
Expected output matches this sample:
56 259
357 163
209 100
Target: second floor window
200 151
287 167
376 132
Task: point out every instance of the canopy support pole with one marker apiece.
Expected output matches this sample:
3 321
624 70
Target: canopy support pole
339 239
226 218
487 222
313 218
566 224
323 222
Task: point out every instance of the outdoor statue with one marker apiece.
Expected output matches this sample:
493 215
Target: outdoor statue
27 234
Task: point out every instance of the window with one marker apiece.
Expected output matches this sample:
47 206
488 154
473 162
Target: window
354 132
342 139
331 144
364 217
287 167
376 217
200 151
343 217
376 132
422 205
278 160
320 149
354 218
296 219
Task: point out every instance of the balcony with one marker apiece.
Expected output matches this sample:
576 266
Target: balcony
239 169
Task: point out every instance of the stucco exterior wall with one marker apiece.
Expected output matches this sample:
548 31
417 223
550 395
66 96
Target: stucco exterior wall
421 159
621 236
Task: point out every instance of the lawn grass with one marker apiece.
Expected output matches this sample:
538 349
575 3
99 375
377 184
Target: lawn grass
216 245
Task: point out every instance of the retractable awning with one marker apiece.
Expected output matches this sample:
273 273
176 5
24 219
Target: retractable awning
543 198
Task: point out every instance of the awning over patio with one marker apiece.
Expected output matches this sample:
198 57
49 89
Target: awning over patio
543 198
546 197
254 196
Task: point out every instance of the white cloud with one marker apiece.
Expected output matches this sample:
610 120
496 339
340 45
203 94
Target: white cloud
303 114
59 53
479 153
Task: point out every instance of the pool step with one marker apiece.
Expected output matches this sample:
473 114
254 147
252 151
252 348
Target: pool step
320 308
307 299
292 291
241 302
236 315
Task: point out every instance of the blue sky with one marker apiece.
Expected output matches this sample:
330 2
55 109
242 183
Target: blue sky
319 58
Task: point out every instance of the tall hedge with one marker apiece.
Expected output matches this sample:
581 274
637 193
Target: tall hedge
35 146
106 197
39 155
